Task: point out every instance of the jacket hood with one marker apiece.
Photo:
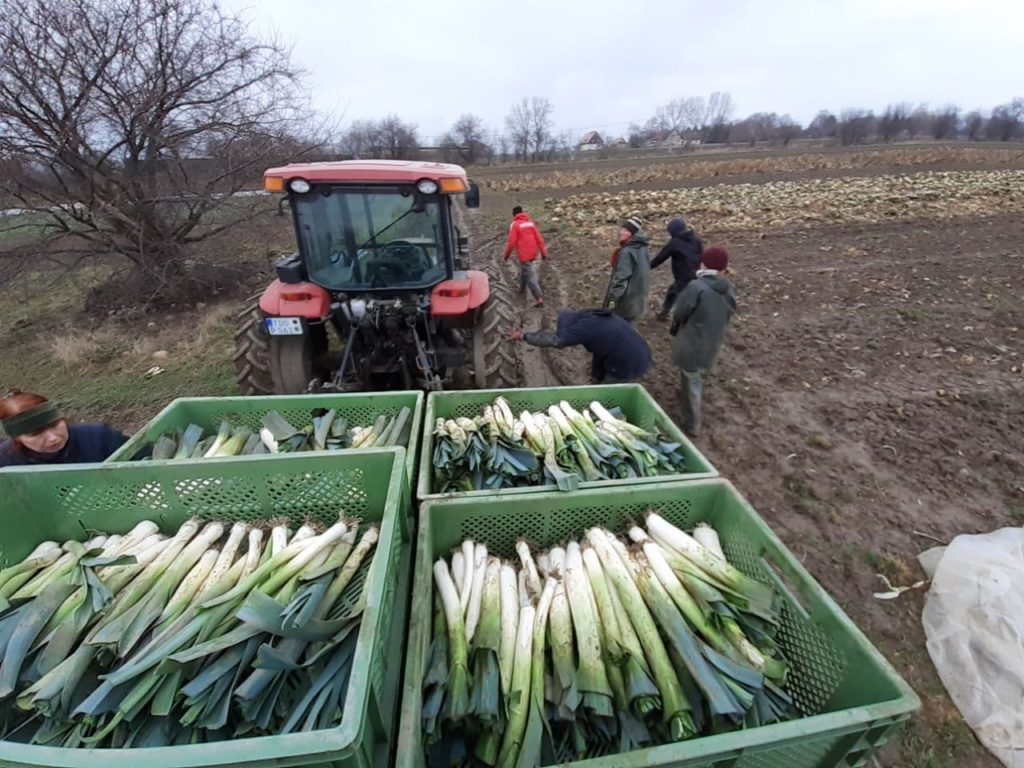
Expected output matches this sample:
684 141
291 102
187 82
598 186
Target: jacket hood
524 216
677 227
719 283
570 317
640 238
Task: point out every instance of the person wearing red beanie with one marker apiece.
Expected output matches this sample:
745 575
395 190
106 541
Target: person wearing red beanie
699 318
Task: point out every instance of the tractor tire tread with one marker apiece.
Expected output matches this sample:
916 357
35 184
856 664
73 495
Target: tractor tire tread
502 367
251 358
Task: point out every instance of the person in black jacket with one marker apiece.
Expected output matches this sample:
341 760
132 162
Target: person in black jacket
620 354
685 249
37 433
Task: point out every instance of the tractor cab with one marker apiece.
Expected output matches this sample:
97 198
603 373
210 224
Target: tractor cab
376 295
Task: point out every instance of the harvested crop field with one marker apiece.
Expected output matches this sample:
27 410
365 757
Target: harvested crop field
870 399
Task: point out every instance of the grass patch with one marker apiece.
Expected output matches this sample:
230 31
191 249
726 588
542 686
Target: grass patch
819 441
803 496
1015 515
99 368
941 744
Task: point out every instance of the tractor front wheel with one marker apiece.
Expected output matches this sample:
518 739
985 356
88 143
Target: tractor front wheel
495 365
270 365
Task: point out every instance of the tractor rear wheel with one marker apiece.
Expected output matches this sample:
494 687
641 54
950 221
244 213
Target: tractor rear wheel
252 351
270 365
495 365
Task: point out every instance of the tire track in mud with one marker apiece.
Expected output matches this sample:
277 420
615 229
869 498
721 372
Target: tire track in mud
486 248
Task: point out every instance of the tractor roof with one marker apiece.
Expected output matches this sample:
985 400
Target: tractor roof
373 171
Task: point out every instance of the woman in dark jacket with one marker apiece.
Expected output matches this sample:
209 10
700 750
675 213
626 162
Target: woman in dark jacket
685 249
37 433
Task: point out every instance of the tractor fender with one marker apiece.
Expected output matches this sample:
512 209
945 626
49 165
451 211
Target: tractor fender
465 292
306 300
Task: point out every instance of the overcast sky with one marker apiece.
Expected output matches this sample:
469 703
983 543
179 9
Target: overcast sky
606 63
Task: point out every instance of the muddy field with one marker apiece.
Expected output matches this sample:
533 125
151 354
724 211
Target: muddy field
869 403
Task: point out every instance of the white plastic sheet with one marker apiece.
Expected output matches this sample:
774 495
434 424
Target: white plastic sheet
974 621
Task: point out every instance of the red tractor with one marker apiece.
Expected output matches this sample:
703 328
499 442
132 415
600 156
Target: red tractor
377 296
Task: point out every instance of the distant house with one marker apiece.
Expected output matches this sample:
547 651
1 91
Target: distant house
666 139
620 143
590 142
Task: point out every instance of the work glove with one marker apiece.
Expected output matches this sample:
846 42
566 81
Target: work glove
515 335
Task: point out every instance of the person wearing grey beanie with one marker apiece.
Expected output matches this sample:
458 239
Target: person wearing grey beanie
631 270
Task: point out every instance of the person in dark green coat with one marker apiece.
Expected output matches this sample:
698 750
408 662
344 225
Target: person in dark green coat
631 272
701 314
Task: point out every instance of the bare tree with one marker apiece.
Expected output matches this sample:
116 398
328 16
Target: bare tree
855 126
1006 121
468 135
503 144
540 130
719 109
823 126
974 122
399 138
945 122
893 121
787 129
529 125
118 106
519 124
681 114
363 139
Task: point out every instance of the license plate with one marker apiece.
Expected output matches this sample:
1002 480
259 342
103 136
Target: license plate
284 326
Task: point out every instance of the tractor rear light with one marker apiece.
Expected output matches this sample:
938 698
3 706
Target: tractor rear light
450 186
454 293
299 186
297 296
427 187
273 184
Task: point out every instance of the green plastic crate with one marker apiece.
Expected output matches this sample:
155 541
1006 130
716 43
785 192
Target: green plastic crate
359 409
635 401
850 700
62 503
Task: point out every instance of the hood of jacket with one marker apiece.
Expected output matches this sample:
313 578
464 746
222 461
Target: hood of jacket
524 216
567 318
717 282
640 238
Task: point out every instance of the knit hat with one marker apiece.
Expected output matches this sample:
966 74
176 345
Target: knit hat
677 226
716 258
517 210
634 224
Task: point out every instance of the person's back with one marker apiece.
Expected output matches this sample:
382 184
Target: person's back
699 320
526 240
685 249
619 352
698 342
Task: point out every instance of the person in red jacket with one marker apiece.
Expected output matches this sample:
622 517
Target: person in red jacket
525 238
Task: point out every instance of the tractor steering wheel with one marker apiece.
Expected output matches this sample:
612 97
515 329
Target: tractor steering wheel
414 255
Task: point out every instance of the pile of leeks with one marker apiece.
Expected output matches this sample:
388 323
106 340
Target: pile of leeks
560 446
216 632
603 645
327 431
